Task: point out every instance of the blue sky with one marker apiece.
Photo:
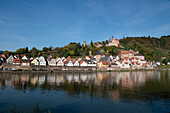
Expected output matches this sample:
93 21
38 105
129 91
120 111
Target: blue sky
39 23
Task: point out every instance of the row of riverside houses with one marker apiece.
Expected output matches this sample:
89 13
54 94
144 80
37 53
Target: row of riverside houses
22 60
126 59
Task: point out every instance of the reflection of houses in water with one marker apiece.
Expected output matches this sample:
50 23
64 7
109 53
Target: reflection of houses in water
51 79
59 79
83 77
76 78
34 79
130 79
69 78
24 78
41 79
8 81
125 79
15 80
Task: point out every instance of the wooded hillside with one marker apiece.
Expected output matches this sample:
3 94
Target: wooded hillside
152 48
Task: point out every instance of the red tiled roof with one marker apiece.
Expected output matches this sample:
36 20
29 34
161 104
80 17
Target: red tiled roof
134 58
121 60
80 62
125 52
144 64
126 62
113 63
132 62
138 63
105 62
68 58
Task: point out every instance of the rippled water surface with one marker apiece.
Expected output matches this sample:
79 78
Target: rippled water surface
142 91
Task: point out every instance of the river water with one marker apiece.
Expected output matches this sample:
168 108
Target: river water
101 92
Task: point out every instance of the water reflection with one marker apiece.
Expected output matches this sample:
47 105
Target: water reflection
110 85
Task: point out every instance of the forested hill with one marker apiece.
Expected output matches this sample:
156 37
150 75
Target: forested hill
152 48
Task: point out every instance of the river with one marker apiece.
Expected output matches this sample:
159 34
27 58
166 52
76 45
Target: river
93 92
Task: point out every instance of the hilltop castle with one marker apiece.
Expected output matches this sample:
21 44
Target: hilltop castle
111 42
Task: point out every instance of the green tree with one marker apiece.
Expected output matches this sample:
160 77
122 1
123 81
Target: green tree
34 52
104 43
26 50
91 43
45 49
113 53
6 52
21 51
107 42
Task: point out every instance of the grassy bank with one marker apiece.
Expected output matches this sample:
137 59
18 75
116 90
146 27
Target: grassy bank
164 67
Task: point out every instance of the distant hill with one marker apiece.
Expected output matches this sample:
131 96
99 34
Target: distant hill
152 48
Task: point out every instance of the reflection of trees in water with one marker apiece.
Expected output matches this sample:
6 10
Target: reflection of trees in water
109 85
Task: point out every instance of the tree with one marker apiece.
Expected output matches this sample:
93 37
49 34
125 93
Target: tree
113 52
91 44
34 52
6 52
72 53
107 42
45 49
104 43
26 50
21 51
39 53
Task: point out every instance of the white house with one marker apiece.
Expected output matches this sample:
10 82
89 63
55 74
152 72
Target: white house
24 58
124 63
83 63
51 61
63 58
25 61
113 64
68 63
42 61
142 63
10 59
127 54
76 62
87 58
60 63
141 57
58 59
90 63
35 62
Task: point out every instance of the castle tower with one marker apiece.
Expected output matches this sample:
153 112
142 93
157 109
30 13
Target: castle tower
112 38
84 43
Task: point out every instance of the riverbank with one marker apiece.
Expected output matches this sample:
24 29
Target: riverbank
164 67
82 71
